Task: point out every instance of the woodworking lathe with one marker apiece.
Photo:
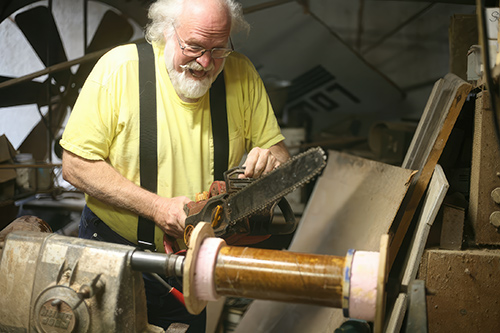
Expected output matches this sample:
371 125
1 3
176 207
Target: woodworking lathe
55 283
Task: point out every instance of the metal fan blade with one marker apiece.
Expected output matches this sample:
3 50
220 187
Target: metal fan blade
30 92
40 29
113 30
7 8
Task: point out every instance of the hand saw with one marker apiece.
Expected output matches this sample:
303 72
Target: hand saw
229 212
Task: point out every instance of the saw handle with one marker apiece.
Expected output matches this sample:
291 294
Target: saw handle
194 207
290 221
217 188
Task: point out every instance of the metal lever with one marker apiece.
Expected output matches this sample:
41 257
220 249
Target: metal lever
87 291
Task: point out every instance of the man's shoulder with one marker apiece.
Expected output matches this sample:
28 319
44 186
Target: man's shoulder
121 53
238 59
120 60
239 63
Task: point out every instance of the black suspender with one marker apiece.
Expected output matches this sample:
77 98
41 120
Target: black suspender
218 114
148 153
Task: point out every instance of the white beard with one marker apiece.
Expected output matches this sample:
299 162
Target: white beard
184 83
188 86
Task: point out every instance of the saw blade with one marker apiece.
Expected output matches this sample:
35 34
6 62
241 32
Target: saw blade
263 191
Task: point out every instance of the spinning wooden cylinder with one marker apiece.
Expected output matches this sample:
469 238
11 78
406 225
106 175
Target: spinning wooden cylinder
213 269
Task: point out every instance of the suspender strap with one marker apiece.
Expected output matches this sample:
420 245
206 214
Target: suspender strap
148 153
220 133
148 139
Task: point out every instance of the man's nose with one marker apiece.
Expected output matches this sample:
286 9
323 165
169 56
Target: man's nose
205 59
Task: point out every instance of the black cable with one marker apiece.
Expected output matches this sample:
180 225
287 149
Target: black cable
49 94
46 122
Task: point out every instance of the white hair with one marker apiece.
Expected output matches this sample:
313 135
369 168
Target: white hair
164 16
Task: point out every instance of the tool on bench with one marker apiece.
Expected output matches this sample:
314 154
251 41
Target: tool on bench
240 210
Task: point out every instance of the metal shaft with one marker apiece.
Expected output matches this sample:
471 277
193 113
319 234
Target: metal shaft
279 275
160 263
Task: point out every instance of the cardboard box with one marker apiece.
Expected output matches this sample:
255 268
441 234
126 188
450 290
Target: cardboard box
7 176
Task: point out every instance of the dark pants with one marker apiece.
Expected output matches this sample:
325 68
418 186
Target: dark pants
163 308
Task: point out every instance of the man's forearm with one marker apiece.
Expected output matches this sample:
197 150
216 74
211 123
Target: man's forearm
101 181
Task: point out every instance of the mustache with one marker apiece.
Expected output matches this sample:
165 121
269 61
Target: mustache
195 66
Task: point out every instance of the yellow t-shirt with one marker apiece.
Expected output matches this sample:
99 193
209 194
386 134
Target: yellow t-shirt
104 125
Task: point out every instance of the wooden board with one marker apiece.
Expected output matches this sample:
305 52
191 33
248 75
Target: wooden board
484 169
432 202
383 275
397 316
464 290
353 204
194 305
437 121
433 199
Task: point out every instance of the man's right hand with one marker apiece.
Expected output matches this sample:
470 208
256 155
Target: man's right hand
169 214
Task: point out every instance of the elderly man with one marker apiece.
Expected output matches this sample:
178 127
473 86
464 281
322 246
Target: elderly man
192 45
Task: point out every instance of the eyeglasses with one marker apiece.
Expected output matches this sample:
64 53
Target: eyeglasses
196 51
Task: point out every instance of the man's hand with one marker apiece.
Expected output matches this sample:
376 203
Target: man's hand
261 161
170 216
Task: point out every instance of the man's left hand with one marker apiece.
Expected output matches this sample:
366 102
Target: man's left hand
261 161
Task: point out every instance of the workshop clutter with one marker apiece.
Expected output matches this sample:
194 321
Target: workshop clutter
25 177
7 176
18 181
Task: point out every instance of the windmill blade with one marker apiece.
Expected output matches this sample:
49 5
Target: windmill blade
113 30
7 8
30 92
39 28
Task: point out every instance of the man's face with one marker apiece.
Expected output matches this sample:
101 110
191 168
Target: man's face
193 76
